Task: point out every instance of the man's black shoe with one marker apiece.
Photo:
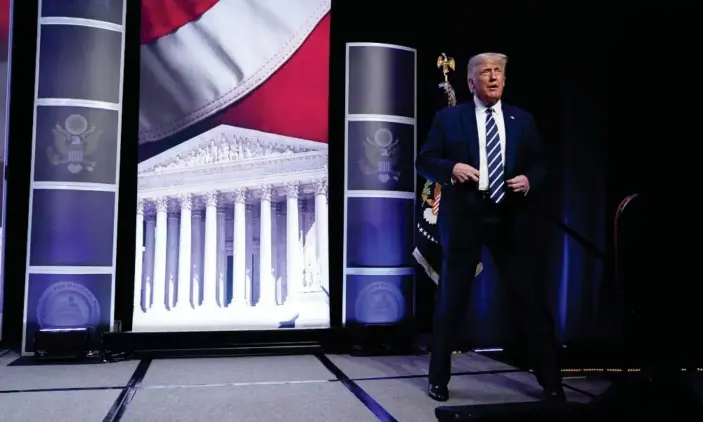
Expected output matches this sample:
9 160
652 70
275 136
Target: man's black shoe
555 394
438 392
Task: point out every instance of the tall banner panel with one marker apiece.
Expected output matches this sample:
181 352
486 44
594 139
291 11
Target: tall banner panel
380 147
232 181
5 19
71 240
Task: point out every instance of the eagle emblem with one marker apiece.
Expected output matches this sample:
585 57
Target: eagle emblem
74 143
381 156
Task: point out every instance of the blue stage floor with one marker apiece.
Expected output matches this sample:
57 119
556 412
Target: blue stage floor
323 388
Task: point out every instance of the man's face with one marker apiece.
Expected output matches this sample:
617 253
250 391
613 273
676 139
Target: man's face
487 81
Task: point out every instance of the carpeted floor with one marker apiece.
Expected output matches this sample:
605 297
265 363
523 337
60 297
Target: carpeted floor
321 388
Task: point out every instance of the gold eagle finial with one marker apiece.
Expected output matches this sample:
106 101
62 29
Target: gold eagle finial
446 64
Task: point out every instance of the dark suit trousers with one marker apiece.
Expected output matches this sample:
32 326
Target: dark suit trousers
492 226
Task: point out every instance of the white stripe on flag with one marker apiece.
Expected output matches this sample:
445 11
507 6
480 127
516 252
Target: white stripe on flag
212 62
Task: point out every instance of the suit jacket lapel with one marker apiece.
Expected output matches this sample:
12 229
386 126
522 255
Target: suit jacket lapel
512 131
468 120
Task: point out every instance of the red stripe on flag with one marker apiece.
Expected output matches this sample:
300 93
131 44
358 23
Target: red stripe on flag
435 204
161 17
294 101
4 23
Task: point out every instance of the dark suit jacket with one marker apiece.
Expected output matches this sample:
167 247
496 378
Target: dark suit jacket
453 138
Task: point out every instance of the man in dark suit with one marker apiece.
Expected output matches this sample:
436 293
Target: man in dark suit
487 156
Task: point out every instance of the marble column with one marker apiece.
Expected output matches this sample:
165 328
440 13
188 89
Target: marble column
302 232
210 253
159 282
280 258
267 285
309 248
249 259
322 232
293 273
172 241
239 245
201 252
149 241
274 251
221 291
139 258
184 253
196 274
302 242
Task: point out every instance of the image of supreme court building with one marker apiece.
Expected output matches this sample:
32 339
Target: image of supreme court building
232 234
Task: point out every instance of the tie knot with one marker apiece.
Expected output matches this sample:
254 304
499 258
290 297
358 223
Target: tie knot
489 110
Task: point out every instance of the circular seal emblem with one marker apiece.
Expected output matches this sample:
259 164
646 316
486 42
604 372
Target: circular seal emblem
383 137
379 303
76 124
67 305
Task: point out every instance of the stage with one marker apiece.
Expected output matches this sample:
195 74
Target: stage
269 388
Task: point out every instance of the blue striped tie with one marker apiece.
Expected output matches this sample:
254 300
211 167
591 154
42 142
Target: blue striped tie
494 155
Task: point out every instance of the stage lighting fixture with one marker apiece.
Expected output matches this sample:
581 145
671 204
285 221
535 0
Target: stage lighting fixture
381 339
63 342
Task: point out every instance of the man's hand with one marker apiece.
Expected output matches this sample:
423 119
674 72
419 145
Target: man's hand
519 184
463 173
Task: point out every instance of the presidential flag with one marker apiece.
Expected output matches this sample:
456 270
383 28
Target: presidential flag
428 252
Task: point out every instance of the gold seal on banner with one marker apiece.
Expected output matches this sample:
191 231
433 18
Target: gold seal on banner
74 143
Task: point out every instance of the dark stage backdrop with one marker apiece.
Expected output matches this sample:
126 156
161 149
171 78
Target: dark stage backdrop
554 75
555 72
4 75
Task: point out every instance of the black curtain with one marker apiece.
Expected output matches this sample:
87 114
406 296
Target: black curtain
555 71
19 122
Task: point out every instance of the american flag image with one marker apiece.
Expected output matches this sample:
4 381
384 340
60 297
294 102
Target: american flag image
435 204
259 65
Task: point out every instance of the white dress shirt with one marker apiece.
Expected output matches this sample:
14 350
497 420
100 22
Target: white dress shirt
481 125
